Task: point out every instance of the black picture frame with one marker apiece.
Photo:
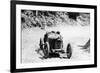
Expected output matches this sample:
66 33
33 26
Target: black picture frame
13 35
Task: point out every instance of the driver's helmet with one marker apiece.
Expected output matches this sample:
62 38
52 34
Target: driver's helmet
53 31
58 32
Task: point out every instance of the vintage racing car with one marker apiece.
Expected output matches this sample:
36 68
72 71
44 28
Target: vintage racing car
52 44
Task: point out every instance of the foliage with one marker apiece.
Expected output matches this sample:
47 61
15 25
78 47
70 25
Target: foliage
43 19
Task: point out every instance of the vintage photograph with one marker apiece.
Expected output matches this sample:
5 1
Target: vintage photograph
54 36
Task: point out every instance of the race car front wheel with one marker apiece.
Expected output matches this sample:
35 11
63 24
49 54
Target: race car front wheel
69 51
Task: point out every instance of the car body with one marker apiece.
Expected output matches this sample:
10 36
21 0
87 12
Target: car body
52 44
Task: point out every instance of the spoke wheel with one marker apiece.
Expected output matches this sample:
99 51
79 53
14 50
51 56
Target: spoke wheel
69 51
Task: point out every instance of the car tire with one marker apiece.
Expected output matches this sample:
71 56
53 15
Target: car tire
41 43
69 51
46 50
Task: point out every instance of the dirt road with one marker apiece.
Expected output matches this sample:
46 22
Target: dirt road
76 35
